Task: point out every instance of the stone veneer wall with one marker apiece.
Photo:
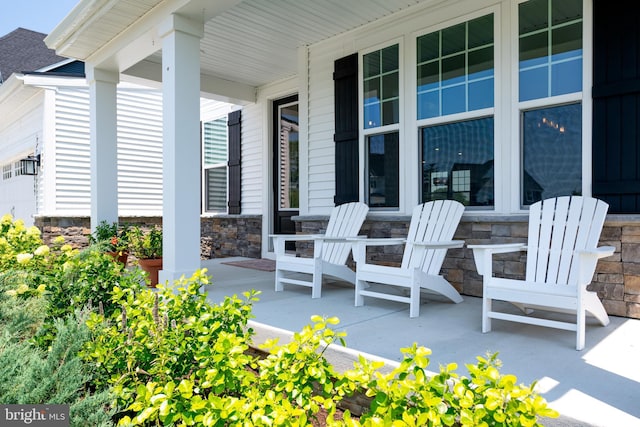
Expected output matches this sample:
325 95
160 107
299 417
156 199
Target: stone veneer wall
617 278
221 236
231 235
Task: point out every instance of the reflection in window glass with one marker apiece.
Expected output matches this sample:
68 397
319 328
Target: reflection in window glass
216 189
457 162
550 48
455 69
381 87
215 165
552 153
383 174
288 150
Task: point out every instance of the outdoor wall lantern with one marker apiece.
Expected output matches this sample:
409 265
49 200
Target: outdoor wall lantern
30 165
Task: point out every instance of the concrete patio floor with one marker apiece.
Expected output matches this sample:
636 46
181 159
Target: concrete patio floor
599 386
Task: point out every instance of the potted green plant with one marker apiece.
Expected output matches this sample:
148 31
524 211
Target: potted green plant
113 239
146 246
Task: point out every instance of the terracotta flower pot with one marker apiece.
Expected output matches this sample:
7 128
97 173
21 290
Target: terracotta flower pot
120 257
151 266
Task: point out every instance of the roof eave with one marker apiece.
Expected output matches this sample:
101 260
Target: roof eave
14 93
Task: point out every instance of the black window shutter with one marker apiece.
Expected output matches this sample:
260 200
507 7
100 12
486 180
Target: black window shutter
345 79
616 106
235 136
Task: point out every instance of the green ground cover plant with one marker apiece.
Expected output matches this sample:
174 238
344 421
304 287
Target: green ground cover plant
77 328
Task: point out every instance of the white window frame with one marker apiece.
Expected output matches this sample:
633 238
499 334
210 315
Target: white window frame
7 171
206 167
506 110
467 115
397 127
584 98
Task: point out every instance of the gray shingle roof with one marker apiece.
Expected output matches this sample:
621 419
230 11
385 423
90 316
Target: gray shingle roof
24 50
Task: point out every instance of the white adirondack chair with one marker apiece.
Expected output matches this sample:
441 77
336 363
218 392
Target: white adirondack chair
430 232
562 254
330 250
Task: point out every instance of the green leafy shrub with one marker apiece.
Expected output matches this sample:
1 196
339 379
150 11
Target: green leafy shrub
111 237
174 340
146 244
171 358
182 361
409 396
17 242
89 277
70 279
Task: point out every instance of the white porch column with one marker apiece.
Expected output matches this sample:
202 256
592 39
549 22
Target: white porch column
181 142
103 145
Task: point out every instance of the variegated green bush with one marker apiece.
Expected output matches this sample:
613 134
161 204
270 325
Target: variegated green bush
70 279
168 357
173 359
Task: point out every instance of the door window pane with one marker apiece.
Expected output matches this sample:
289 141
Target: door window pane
457 162
383 171
289 157
455 70
381 87
552 152
550 48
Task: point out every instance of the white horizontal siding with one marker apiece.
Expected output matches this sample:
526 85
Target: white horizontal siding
252 160
139 152
321 168
72 173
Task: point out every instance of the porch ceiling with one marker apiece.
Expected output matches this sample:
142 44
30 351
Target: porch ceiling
251 42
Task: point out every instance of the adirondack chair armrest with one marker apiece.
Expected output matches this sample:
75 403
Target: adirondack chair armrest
319 241
339 239
482 254
600 252
377 241
280 239
360 245
588 259
295 237
441 245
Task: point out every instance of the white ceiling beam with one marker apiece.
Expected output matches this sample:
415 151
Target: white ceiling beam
149 73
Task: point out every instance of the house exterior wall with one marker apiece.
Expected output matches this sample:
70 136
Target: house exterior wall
617 277
321 168
253 160
400 28
403 28
19 138
139 152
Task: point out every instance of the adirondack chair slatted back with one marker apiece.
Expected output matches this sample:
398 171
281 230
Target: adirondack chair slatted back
345 221
431 222
557 229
